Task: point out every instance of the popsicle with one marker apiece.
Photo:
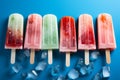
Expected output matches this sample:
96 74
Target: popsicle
68 37
33 34
86 36
106 37
50 34
14 36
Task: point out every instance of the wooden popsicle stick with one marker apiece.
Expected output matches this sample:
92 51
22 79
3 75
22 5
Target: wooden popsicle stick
32 56
13 54
49 56
68 59
108 60
86 57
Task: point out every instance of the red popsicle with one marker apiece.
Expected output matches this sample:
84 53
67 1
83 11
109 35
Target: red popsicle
67 37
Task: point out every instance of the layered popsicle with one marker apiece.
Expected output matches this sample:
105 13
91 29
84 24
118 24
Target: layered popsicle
33 34
86 36
68 37
106 37
14 36
50 34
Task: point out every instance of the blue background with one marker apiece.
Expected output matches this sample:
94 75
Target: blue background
60 8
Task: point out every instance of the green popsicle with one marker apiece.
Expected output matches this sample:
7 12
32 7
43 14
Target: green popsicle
50 34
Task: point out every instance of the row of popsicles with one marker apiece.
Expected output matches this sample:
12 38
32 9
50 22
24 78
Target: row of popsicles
42 33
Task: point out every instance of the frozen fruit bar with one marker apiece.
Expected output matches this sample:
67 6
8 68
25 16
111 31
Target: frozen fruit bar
33 34
86 35
106 37
68 37
50 34
14 36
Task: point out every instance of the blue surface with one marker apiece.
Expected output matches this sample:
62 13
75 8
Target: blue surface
60 8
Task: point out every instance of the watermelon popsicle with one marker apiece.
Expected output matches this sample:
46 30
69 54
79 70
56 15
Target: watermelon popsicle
49 34
86 36
106 37
33 34
68 37
14 36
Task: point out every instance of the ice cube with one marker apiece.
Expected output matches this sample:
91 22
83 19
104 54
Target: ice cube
52 78
55 71
32 75
61 77
80 63
90 68
44 55
83 70
94 55
21 57
97 77
73 74
24 75
27 52
106 71
41 66
16 67
34 72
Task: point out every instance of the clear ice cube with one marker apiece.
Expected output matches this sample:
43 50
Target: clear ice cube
55 71
44 55
32 75
16 67
61 77
79 63
73 74
90 68
97 77
41 66
27 52
106 71
94 55
83 70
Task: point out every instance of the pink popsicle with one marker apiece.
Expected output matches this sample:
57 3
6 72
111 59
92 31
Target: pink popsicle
86 36
33 34
106 37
